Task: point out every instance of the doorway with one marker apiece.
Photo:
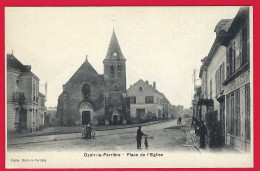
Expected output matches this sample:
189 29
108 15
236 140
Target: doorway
115 119
23 119
85 117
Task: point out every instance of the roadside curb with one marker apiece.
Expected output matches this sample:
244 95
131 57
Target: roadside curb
193 142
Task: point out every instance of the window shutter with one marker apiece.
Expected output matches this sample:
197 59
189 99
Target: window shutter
227 59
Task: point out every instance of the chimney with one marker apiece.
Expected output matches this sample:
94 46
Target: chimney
28 67
147 82
154 84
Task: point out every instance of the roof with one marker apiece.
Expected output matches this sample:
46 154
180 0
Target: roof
13 62
150 86
86 68
114 47
236 24
223 24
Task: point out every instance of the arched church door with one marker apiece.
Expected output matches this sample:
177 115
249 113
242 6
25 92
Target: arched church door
115 118
86 111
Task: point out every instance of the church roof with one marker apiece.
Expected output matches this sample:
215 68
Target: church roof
87 70
114 47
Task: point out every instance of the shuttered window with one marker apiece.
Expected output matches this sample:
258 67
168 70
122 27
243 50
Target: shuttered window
247 111
237 112
227 60
228 114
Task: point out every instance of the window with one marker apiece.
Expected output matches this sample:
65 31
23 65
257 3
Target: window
247 111
34 90
149 99
238 55
233 113
133 100
219 78
237 113
140 88
86 90
245 45
228 114
210 88
116 87
112 71
118 70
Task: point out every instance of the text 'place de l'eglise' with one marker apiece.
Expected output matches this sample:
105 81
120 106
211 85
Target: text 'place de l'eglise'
103 101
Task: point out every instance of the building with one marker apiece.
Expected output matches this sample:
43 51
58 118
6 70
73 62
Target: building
41 111
50 118
167 108
195 103
237 82
22 96
89 97
225 89
115 84
146 103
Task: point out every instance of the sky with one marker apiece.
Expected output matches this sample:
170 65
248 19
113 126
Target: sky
162 44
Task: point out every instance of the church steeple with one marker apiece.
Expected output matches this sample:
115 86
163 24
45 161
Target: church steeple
114 50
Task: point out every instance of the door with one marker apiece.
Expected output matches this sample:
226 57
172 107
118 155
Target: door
222 121
115 119
85 117
140 113
23 119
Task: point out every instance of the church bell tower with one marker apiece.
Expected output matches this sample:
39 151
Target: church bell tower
115 84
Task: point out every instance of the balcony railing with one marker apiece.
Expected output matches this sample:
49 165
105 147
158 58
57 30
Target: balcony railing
18 96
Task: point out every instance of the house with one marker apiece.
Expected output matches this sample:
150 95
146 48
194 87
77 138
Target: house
22 96
51 117
225 88
146 103
237 83
41 111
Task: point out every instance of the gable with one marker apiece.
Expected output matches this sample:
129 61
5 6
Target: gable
86 73
146 89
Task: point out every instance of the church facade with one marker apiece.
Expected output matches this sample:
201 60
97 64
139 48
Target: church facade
92 98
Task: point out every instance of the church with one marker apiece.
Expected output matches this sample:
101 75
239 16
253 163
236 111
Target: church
98 99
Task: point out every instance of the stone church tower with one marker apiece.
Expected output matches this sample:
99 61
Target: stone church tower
115 84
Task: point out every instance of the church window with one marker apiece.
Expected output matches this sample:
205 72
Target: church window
86 90
140 88
119 67
112 71
116 87
118 70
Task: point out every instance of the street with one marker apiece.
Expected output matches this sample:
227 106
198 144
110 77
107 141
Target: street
164 136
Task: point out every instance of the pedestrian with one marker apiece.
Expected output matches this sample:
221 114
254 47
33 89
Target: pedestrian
179 121
93 133
203 132
146 141
83 132
192 122
139 137
196 126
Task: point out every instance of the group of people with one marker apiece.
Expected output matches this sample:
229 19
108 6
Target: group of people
88 132
201 130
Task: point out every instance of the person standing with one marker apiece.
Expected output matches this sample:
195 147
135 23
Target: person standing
139 137
203 132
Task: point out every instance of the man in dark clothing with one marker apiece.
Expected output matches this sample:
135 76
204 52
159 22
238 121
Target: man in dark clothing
203 132
139 137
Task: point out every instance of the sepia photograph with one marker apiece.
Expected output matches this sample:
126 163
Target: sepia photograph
135 87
